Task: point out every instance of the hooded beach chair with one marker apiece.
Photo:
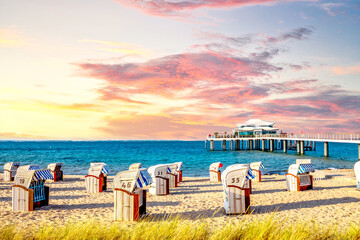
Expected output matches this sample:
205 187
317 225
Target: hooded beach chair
29 190
179 171
298 177
55 169
130 194
135 166
10 171
172 175
160 184
236 195
357 174
96 180
215 173
256 170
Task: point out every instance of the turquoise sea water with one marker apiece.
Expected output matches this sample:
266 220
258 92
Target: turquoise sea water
76 156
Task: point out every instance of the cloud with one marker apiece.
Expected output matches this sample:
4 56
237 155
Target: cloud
341 70
301 33
180 8
328 7
10 37
19 136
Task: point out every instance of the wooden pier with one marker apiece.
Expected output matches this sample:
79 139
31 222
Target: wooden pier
285 142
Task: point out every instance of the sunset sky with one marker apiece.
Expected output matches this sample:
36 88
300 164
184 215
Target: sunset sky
176 69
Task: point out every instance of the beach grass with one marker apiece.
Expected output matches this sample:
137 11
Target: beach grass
177 228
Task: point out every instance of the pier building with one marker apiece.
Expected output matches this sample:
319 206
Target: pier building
256 134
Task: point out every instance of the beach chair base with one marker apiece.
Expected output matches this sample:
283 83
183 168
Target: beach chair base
126 205
238 200
172 180
160 187
23 198
299 183
248 185
179 174
215 176
95 184
257 174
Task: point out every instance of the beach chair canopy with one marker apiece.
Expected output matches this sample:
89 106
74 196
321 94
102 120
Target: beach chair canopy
357 170
299 168
159 170
135 166
236 175
215 166
172 168
179 166
11 166
132 179
52 166
28 168
256 165
96 170
25 178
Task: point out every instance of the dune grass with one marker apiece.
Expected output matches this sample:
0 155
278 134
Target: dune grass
177 228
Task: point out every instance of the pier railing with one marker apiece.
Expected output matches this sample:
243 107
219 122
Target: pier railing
325 136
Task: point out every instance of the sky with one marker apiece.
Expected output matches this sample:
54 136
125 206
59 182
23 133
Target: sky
176 69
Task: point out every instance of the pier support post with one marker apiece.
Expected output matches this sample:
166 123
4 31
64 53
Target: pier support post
263 144
224 145
285 145
326 149
314 144
298 147
212 145
205 144
250 144
302 147
237 144
231 144
271 145
242 144
359 151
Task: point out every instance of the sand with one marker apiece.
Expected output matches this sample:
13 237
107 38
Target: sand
334 200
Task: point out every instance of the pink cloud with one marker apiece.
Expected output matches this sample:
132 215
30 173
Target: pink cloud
341 70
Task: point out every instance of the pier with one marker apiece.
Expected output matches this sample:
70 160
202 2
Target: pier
284 142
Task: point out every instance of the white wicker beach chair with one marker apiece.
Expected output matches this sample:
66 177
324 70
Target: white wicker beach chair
256 170
357 174
298 177
55 169
214 171
178 171
10 171
96 180
172 175
236 195
130 194
29 190
160 184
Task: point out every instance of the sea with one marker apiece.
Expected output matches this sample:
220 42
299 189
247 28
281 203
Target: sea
118 155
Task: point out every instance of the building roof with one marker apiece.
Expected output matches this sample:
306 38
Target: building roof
254 122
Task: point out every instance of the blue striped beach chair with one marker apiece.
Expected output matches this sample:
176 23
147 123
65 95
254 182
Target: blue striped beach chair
256 170
160 183
236 192
298 177
130 194
29 190
96 180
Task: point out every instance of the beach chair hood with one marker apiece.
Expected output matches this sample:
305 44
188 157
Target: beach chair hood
135 166
179 166
11 166
25 178
96 170
27 168
132 179
357 171
301 166
236 175
215 166
159 170
52 166
172 168
256 165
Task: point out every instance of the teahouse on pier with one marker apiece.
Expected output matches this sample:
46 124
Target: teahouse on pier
256 134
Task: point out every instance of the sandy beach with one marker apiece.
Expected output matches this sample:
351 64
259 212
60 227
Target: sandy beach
333 200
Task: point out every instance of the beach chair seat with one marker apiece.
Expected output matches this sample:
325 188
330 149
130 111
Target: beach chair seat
130 194
236 195
55 169
318 175
214 171
29 190
96 180
298 177
256 169
357 174
10 170
160 184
